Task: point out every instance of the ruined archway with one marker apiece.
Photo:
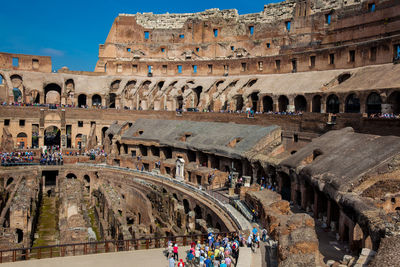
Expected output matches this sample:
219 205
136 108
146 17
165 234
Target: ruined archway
283 102
254 101
96 100
394 101
300 103
316 104
82 100
239 102
352 104
112 100
52 94
268 104
198 90
332 104
22 140
374 104
52 136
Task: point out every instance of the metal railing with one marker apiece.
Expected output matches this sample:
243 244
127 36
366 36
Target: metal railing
76 249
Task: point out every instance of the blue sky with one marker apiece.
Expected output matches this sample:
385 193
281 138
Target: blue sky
71 31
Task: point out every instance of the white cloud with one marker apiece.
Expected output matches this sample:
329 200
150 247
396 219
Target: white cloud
52 52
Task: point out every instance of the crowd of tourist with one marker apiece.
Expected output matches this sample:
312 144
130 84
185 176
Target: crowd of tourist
16 157
385 116
217 251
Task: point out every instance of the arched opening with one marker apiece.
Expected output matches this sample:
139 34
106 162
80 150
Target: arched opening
52 94
82 100
374 104
115 85
87 178
16 82
394 101
20 235
78 141
186 206
22 140
179 101
352 104
71 176
112 100
9 181
286 189
96 100
332 104
300 103
239 102
283 102
198 90
198 212
254 101
209 220
52 136
139 218
316 104
268 104
218 226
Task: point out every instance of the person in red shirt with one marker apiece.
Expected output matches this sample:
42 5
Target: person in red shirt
175 250
181 263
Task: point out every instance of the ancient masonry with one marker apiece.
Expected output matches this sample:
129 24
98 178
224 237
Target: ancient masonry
170 104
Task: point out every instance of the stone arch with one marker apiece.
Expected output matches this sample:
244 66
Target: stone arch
352 104
103 134
300 103
239 102
22 140
179 102
52 94
96 100
160 85
52 136
71 176
198 90
394 101
283 103
209 220
198 212
112 100
268 103
114 86
17 87
316 104
82 100
10 180
254 101
373 104
186 205
332 104
286 186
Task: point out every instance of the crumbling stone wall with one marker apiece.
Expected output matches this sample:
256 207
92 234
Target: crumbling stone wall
295 233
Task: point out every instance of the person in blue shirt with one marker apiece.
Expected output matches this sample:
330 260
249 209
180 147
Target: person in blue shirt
208 262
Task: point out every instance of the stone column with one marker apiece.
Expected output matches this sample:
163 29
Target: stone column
209 161
41 137
255 169
323 105
89 101
329 212
315 204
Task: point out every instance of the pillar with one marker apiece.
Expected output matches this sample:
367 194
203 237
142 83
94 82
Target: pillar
323 105
89 101
304 196
329 213
315 204
255 169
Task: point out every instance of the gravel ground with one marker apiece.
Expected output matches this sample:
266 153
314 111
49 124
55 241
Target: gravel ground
388 253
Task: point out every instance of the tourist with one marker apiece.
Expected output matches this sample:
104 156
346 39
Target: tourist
264 235
175 250
181 263
171 262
